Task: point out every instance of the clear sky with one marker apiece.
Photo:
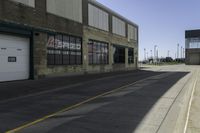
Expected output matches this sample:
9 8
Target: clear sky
161 22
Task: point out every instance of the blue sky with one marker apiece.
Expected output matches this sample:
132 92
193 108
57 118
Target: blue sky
161 22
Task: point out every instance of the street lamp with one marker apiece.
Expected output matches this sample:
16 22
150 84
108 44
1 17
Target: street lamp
177 50
144 54
168 53
155 51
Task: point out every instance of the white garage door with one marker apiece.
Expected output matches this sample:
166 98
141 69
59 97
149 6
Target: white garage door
14 58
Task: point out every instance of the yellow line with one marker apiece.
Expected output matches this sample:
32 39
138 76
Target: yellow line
72 107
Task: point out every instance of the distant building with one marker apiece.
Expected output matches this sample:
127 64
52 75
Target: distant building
192 45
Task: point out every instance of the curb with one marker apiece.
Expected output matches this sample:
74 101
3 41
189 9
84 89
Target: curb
176 119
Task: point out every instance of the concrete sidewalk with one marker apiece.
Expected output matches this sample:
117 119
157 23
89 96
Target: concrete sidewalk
194 114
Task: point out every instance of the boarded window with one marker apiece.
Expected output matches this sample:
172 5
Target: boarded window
118 26
70 9
97 18
132 32
26 2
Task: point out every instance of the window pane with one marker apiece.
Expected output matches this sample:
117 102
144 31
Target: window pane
64 50
50 50
72 43
94 58
66 56
72 58
58 57
78 44
50 42
90 55
66 42
119 55
130 55
58 42
98 50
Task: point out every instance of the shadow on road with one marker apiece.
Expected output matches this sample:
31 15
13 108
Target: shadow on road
122 114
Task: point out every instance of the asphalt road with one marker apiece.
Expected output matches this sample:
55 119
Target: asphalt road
120 111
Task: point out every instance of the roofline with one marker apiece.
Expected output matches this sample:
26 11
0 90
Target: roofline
111 11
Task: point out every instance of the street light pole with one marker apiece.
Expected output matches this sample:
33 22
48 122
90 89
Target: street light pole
181 51
155 52
168 53
177 50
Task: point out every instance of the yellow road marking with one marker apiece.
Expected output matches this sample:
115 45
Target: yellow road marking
73 106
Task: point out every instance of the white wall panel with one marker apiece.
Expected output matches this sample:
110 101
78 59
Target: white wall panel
118 26
97 18
70 9
26 2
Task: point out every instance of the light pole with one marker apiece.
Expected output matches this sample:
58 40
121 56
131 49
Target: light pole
155 51
144 54
168 53
147 56
181 51
177 50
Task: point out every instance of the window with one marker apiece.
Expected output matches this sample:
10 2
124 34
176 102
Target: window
119 54
132 32
118 26
193 43
130 55
70 9
64 50
98 52
97 18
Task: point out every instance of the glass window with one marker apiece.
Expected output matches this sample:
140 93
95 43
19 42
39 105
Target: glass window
50 49
97 52
64 50
130 55
119 54
78 51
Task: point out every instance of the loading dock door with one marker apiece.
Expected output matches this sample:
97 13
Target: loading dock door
14 58
195 59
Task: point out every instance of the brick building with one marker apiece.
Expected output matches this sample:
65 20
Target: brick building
40 38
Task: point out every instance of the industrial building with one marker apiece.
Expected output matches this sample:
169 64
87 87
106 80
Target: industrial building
41 38
192 45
